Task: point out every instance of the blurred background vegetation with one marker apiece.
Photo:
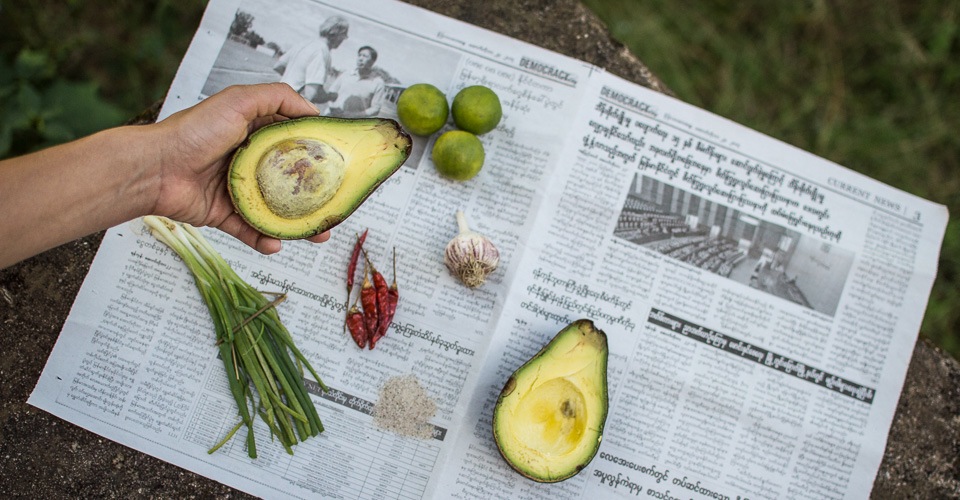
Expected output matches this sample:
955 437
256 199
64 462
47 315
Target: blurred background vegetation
871 85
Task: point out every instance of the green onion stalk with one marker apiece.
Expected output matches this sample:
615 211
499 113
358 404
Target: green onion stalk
264 367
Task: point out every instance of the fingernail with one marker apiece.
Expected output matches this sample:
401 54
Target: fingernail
315 108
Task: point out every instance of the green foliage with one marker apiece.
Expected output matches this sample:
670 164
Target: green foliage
872 86
38 109
71 68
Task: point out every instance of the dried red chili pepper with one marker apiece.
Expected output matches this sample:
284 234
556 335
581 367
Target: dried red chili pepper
390 305
380 287
354 257
368 299
352 267
393 293
355 324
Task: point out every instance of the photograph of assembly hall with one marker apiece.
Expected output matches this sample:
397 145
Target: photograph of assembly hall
731 243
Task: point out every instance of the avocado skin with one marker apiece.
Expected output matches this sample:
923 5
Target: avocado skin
564 384
373 148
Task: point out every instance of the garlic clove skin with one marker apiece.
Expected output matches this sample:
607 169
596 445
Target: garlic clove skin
470 256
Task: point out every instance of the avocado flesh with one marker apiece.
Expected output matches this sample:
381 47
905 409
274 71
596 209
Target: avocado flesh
549 417
297 178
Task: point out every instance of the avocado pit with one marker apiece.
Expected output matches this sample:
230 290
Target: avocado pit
298 176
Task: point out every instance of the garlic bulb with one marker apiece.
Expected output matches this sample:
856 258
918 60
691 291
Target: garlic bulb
470 256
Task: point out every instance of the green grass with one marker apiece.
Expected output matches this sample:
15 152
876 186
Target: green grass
873 86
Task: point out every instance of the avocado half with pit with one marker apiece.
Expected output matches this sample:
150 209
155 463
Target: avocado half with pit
549 417
297 178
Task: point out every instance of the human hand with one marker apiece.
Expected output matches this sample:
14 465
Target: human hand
195 149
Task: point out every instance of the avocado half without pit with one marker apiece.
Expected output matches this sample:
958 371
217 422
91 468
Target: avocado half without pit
297 178
549 417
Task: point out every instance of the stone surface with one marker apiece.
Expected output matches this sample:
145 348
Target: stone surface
43 456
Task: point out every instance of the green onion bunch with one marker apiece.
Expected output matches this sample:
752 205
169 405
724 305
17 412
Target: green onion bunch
264 367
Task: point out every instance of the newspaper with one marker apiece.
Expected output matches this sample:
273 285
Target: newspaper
760 303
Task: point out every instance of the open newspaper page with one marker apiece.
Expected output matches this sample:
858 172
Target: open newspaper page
136 361
760 303
761 306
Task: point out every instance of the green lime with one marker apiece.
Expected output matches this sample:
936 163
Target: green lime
422 109
458 155
477 109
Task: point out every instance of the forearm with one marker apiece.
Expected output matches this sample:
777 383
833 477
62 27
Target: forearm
65 192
